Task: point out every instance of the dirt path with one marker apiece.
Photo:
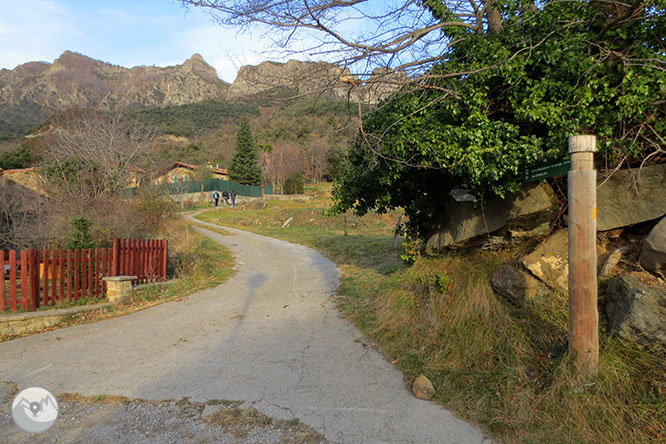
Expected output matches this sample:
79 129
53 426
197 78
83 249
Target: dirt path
270 336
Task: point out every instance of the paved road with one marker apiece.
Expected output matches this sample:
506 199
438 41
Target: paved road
269 336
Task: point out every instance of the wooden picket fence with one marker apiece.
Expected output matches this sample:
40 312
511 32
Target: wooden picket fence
33 278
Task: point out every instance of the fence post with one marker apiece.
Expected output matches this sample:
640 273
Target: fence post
2 281
24 280
115 256
165 249
33 258
583 314
12 279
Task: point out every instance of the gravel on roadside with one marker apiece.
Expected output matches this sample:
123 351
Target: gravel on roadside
115 419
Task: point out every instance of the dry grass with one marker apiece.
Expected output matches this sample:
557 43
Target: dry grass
241 422
495 364
503 367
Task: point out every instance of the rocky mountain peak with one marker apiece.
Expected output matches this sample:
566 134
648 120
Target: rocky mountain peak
197 65
32 92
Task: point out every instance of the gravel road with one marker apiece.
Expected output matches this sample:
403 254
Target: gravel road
270 336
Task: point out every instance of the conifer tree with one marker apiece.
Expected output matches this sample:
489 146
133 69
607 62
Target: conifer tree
244 166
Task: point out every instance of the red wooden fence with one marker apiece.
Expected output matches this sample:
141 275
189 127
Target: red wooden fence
34 278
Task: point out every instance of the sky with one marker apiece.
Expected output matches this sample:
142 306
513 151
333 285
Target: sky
124 32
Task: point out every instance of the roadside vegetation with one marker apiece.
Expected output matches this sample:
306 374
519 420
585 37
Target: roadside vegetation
495 364
195 263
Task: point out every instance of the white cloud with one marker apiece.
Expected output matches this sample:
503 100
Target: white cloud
129 34
35 30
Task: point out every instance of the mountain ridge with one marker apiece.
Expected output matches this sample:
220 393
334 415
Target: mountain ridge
34 91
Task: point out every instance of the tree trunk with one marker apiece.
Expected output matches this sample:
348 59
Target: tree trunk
494 17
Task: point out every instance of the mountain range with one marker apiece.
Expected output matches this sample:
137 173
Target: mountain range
34 91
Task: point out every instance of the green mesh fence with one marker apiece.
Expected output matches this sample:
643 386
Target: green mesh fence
209 185
241 190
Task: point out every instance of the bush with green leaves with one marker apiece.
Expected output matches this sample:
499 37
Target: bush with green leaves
294 184
499 102
80 236
16 158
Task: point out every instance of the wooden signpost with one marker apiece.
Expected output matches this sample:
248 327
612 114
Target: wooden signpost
583 314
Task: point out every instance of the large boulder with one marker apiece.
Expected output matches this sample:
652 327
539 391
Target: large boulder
631 196
465 220
516 285
637 310
653 250
550 261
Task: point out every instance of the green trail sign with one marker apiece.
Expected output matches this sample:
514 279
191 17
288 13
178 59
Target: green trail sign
546 170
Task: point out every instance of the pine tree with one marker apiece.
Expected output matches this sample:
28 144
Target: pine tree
244 167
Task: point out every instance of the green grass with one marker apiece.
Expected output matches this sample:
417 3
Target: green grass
495 364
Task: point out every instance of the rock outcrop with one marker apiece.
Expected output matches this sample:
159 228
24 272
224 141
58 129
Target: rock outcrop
516 285
637 310
295 78
76 80
382 84
631 196
33 92
653 250
465 220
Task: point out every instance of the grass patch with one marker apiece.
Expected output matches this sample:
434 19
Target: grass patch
195 263
241 422
495 364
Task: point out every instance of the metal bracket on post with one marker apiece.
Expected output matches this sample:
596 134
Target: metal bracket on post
583 313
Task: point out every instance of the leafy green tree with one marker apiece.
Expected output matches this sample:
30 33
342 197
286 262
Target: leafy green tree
244 167
336 164
496 85
502 101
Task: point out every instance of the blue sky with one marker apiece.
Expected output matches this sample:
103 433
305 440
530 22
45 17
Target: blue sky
123 32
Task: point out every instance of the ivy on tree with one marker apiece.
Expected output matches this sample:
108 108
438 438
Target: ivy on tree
244 168
502 101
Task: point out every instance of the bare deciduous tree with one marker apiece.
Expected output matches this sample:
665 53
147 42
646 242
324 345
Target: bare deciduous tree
199 175
405 35
282 161
315 155
93 155
25 220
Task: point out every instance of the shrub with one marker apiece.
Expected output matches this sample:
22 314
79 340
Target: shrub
80 236
294 184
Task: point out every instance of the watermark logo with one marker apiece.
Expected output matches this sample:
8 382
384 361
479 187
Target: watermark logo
35 409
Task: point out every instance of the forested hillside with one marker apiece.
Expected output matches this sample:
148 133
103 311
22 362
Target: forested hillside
299 135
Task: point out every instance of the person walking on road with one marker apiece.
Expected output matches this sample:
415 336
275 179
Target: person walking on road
225 196
216 196
233 198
